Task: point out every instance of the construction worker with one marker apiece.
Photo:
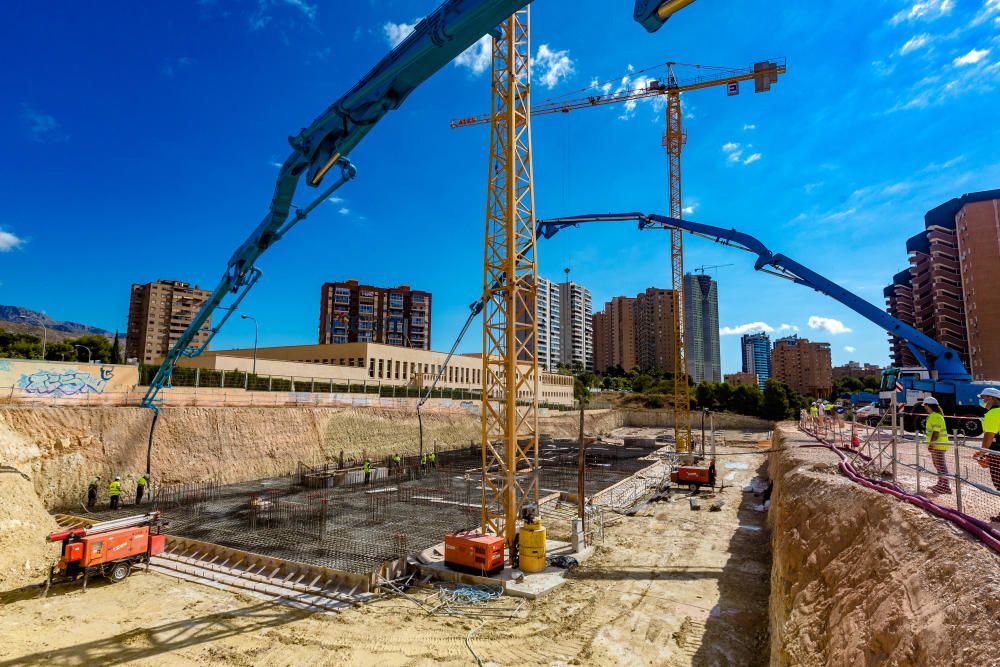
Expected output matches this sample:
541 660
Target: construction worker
990 399
115 492
140 488
92 492
367 467
937 443
814 414
397 461
423 462
432 459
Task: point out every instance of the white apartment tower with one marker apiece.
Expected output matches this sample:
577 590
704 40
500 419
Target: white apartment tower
576 325
549 347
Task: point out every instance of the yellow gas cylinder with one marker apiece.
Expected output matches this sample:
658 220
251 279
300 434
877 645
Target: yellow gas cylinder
531 540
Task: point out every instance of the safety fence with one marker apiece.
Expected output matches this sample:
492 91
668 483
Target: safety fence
964 477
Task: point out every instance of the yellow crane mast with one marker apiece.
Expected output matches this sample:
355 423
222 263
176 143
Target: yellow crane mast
510 285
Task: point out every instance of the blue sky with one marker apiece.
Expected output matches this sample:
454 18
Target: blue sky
140 142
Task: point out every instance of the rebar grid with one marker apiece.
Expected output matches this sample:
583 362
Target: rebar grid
347 524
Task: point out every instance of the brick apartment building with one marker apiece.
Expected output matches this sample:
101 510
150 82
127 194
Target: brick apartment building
636 332
353 313
947 291
748 379
158 314
803 365
853 369
977 226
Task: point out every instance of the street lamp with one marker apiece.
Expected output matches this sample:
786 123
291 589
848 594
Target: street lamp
86 348
256 334
45 332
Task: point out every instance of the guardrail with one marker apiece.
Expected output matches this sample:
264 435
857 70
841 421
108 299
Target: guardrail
965 477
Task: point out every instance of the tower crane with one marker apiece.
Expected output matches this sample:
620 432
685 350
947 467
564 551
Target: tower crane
763 73
703 267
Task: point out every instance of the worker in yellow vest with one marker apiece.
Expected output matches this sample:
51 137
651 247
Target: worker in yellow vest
989 398
814 413
140 488
936 433
367 467
115 492
432 459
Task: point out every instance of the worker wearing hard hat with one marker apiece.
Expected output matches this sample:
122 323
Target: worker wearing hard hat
92 492
990 399
115 492
936 431
140 487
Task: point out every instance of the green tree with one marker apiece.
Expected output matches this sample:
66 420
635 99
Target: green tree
746 400
723 395
60 351
704 394
116 351
775 401
100 348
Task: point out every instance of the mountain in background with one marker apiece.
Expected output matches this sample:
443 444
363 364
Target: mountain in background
10 319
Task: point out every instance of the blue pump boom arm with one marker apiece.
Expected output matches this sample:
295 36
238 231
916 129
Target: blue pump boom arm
930 353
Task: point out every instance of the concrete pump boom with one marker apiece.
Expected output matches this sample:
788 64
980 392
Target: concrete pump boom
934 356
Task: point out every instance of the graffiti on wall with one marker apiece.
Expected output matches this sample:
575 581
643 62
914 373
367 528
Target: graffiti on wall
4 365
58 383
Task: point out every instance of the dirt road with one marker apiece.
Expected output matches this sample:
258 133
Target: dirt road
670 586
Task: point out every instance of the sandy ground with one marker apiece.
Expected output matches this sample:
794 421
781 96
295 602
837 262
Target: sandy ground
669 586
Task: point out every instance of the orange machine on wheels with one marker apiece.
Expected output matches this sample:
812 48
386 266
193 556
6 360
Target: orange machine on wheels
109 548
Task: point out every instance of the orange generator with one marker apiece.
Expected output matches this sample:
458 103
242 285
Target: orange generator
694 476
472 552
109 548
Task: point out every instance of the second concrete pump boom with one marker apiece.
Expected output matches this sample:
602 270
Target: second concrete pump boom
939 359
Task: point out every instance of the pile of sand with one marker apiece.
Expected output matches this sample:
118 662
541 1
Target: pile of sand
25 556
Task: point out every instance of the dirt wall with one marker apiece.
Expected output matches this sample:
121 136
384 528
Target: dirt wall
62 448
665 418
860 578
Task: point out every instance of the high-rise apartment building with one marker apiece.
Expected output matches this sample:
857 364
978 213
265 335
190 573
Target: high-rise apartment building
853 369
701 328
803 365
636 332
354 313
615 335
950 261
158 314
756 348
576 330
977 225
549 329
654 323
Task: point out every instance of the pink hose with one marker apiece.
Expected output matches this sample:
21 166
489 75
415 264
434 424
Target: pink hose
980 529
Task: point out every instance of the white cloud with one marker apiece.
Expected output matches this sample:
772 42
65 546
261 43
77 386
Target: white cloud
787 327
734 153
42 127
335 200
914 43
397 32
749 126
9 242
262 15
850 349
749 327
344 211
276 165
923 10
990 7
688 210
828 324
639 83
972 57
477 57
809 187
554 65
